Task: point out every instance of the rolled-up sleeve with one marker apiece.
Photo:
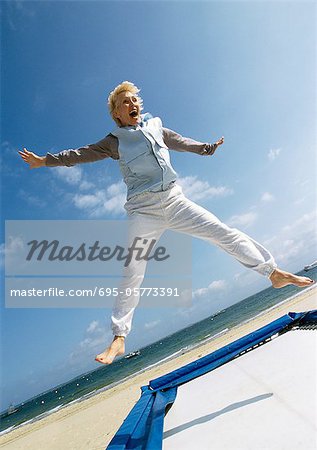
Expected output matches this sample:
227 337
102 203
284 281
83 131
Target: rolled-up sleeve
105 148
175 141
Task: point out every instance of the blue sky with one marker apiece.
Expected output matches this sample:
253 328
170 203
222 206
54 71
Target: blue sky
245 70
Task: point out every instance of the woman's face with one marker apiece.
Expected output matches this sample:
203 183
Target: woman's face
128 109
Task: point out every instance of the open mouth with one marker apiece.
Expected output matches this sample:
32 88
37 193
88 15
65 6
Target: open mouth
134 113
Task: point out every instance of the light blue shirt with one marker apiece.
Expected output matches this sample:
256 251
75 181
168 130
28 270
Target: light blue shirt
144 157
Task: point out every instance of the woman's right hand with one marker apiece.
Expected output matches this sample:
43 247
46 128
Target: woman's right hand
34 161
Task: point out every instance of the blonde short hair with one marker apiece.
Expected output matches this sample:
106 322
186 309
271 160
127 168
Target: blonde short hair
125 86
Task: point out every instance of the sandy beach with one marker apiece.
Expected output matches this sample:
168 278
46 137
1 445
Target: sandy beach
91 424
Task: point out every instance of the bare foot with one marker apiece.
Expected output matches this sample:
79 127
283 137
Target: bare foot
279 279
115 348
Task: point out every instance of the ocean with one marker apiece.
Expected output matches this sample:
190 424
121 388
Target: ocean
89 384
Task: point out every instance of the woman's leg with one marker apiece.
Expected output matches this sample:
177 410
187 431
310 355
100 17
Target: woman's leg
188 217
145 229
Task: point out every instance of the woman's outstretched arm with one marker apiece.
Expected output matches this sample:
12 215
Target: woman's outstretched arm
106 148
175 141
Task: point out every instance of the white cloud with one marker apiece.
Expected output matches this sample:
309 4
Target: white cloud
8 148
295 240
11 164
95 198
97 343
196 189
93 326
88 201
32 200
116 194
243 220
103 202
152 324
267 197
116 189
289 249
114 205
217 285
86 185
206 301
306 221
14 244
71 175
245 278
9 252
274 153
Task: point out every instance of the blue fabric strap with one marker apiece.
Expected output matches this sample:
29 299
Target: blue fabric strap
140 411
143 427
162 399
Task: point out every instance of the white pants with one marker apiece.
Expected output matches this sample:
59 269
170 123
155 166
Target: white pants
151 213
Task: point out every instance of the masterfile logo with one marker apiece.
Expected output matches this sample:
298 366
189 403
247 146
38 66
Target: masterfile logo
140 249
83 263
